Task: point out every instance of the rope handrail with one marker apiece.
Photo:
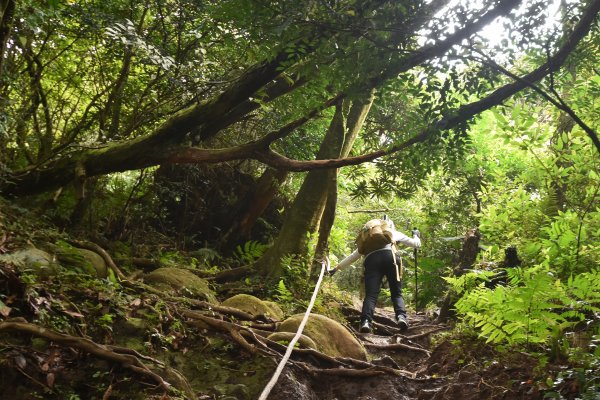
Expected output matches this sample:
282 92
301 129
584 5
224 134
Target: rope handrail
290 348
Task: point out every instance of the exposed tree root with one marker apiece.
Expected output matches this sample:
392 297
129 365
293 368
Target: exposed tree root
427 333
120 356
233 274
103 253
398 346
344 366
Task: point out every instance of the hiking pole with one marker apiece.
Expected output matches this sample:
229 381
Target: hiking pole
418 234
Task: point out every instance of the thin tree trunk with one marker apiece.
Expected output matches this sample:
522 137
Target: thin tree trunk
318 193
252 207
356 118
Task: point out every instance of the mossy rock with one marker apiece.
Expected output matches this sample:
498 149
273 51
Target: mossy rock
82 260
180 280
331 337
98 263
34 260
254 306
286 337
276 311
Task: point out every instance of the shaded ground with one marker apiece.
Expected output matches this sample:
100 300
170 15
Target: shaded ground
126 341
441 369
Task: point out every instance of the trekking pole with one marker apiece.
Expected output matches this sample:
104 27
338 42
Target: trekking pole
416 232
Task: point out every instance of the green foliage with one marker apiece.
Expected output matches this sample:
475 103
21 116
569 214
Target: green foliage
282 293
536 308
469 281
250 251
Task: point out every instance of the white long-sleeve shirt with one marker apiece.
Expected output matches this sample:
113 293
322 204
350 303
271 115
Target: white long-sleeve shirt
398 237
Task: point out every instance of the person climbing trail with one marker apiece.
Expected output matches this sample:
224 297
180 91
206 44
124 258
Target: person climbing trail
376 242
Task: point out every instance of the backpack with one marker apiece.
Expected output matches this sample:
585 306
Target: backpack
374 235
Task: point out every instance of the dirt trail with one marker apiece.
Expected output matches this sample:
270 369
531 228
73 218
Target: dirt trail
433 371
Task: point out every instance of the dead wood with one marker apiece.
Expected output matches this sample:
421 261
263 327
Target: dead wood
129 361
397 346
103 253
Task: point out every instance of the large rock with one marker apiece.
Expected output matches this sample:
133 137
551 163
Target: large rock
331 337
254 306
96 261
180 280
33 260
83 260
286 337
276 311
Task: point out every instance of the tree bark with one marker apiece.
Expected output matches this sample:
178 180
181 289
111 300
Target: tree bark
303 217
318 192
252 206
7 13
356 118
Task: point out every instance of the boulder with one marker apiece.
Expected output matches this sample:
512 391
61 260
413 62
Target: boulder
96 261
182 281
82 260
331 337
254 306
31 259
276 311
286 337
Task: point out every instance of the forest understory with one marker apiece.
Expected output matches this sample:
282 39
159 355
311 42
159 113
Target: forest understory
76 336
174 173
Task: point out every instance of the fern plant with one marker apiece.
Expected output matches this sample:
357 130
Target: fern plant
536 309
250 251
283 293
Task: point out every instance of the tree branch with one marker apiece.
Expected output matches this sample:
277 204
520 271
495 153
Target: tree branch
558 102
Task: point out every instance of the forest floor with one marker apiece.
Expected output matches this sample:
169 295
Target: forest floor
73 336
433 366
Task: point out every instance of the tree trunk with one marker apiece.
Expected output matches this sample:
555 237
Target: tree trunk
356 118
252 206
306 213
7 13
468 255
557 199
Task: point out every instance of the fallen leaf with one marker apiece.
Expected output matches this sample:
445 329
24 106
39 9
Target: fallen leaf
50 379
73 314
21 361
4 309
136 303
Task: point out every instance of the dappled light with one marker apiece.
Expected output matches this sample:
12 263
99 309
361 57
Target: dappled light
299 199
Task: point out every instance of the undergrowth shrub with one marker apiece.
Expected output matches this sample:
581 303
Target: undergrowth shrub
536 308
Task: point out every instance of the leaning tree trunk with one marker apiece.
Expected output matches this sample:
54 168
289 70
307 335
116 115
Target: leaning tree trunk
356 118
305 214
251 207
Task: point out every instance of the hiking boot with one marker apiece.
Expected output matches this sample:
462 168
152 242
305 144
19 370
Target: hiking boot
402 323
365 327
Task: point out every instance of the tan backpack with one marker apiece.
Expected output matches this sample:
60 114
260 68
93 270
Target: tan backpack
374 235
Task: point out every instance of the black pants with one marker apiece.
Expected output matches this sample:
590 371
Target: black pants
377 265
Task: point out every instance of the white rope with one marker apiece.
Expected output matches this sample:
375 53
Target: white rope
288 352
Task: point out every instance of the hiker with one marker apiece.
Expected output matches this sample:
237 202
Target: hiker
380 261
